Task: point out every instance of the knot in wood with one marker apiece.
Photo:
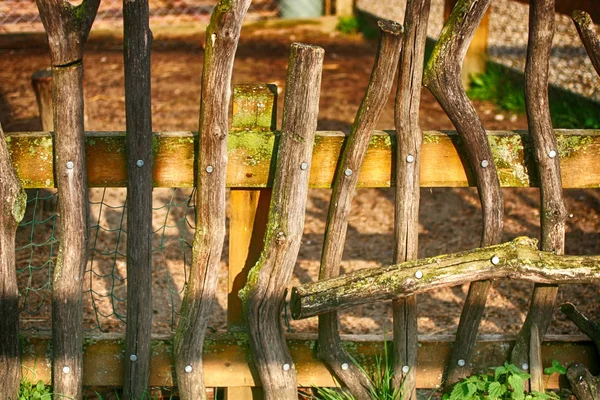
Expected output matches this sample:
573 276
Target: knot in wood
280 238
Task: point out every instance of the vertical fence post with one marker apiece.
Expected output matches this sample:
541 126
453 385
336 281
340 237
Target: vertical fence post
42 86
254 108
137 45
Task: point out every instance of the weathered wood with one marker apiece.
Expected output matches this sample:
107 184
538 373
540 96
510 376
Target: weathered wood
442 78
378 91
517 259
406 212
584 385
254 108
229 362
589 37
535 365
12 209
67 28
136 54
264 292
41 81
222 36
585 325
442 159
553 213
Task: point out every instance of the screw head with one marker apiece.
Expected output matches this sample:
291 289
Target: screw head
188 368
66 369
485 163
552 153
461 363
209 169
525 366
419 274
345 366
348 172
70 164
570 215
495 260
405 369
133 357
304 166
140 163
410 158
286 367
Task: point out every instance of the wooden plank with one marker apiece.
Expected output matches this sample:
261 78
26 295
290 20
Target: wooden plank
228 362
250 160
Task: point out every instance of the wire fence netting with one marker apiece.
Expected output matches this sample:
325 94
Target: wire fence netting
105 286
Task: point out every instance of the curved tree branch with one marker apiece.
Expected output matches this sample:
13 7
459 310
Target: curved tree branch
589 37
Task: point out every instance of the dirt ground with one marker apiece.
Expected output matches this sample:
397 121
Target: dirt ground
449 217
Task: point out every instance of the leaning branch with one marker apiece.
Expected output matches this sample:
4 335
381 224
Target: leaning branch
588 35
518 259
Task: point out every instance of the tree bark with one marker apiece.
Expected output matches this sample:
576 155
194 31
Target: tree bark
408 162
553 212
264 292
585 325
222 36
443 78
517 259
331 348
41 81
67 28
137 45
589 37
12 209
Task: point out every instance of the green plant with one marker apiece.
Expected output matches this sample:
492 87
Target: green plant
356 24
29 391
507 383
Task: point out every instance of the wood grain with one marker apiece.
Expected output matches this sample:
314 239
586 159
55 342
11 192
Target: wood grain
587 32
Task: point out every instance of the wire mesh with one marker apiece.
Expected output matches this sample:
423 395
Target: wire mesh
105 287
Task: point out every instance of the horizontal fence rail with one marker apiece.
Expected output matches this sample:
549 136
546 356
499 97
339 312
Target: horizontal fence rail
251 159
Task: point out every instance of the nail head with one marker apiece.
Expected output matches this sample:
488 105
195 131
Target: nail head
66 369
348 172
485 163
419 274
345 366
209 169
286 367
188 368
461 363
304 166
140 163
525 366
495 260
70 164
133 357
405 369
410 158
552 153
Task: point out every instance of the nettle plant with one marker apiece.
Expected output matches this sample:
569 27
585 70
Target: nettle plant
507 383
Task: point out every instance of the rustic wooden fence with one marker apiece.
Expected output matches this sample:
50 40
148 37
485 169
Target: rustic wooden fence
269 174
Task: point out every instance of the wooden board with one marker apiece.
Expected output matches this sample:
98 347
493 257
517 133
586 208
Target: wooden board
227 358
443 164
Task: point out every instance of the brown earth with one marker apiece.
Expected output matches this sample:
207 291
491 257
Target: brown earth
450 217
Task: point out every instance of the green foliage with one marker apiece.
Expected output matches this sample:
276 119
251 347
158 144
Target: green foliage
29 391
507 383
356 24
504 88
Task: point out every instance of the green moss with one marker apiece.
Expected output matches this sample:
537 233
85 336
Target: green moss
380 142
257 146
508 157
19 206
432 138
569 144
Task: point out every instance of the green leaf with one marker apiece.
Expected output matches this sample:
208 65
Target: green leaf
516 383
496 390
500 371
459 392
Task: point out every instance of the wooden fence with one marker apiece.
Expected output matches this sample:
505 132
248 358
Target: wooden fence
269 173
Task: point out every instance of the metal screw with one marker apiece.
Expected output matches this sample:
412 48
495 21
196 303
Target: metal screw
140 163
461 363
410 158
419 274
286 367
570 215
485 163
348 172
525 366
133 357
405 369
70 164
495 260
552 153
345 366
304 166
209 169
66 369
188 368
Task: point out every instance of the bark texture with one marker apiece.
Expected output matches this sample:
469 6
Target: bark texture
331 348
264 292
553 212
408 162
517 259
589 37
67 28
137 45
12 208
443 78
222 36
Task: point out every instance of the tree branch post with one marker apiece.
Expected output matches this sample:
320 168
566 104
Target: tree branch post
380 84
222 36
589 37
443 78
264 292
408 162
67 28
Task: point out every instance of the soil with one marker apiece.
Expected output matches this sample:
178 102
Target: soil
450 218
